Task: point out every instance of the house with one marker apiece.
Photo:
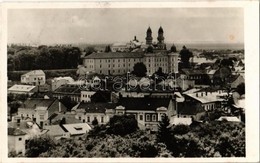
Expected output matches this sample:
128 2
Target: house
87 112
71 91
197 103
35 77
28 126
22 89
16 140
59 81
39 110
200 77
147 111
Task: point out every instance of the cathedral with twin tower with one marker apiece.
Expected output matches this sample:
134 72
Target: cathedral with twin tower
153 54
149 39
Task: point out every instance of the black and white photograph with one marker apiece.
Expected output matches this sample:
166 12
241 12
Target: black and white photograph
138 81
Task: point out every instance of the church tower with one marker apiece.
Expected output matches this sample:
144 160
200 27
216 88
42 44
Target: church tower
149 38
160 39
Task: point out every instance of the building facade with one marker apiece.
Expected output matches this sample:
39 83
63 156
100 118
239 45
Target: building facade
35 77
117 63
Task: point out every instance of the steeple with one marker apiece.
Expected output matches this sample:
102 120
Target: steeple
160 38
149 38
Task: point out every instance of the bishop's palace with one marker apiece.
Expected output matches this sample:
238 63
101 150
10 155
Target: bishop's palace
122 57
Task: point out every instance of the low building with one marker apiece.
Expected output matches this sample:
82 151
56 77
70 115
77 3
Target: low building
147 111
76 129
87 112
16 141
59 81
39 110
69 90
35 77
22 89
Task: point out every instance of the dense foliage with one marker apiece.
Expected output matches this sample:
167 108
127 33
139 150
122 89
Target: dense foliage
43 57
212 139
139 69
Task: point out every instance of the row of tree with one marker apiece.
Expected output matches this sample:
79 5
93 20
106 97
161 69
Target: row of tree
122 138
43 57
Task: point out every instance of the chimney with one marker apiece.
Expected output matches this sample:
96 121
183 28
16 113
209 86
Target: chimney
59 107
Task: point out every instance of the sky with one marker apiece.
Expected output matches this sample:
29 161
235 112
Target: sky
103 25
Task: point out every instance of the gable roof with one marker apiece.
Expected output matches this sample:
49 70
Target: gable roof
33 103
15 132
193 72
68 88
111 55
96 107
69 119
145 103
21 88
54 130
206 97
34 72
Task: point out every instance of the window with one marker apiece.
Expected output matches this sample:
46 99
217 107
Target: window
141 117
147 117
20 139
154 117
79 118
41 117
102 119
88 119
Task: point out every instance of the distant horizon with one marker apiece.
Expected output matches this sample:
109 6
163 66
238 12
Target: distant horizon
111 25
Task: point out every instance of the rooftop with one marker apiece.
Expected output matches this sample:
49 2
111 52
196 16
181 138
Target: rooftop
145 103
77 129
114 55
21 88
33 103
15 132
35 72
96 107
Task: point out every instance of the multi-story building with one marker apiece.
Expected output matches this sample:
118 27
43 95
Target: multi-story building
35 77
116 63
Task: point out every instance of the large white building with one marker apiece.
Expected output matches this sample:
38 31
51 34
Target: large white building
117 62
35 77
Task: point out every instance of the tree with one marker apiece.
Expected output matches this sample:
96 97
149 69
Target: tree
185 57
38 145
95 121
122 125
164 133
241 89
90 50
140 69
108 49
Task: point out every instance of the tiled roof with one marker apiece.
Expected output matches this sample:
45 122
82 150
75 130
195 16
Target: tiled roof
21 88
115 55
33 103
54 130
96 107
35 72
145 103
68 88
15 132
193 72
206 97
69 119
